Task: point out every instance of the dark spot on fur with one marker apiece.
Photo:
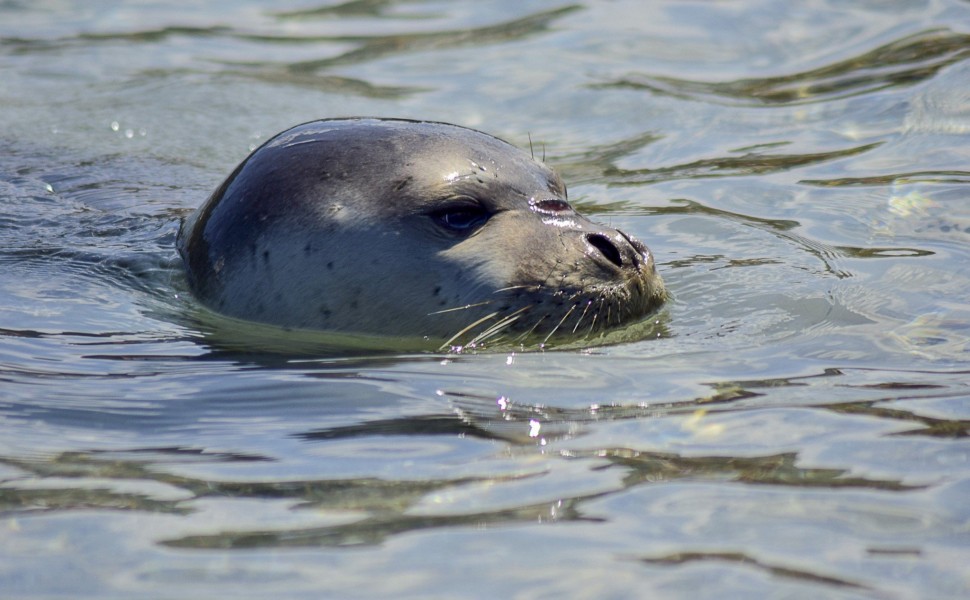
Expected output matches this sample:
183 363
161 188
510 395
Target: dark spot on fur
400 185
266 255
353 305
307 249
330 265
437 290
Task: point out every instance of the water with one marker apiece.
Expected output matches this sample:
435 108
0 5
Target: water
798 430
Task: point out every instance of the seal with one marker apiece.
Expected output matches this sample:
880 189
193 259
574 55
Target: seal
406 228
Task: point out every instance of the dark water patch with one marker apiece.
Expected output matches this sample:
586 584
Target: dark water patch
19 502
511 417
373 48
420 425
893 179
30 45
599 164
277 75
326 83
730 166
929 426
829 256
591 164
784 572
46 489
351 8
911 552
868 252
780 469
369 47
685 206
378 529
529 424
903 62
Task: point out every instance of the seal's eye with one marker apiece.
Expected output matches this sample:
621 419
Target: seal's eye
461 218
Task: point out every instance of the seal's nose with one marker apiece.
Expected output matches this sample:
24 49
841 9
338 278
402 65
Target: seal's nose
621 250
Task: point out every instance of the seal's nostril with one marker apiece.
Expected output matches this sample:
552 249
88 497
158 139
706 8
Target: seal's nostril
606 247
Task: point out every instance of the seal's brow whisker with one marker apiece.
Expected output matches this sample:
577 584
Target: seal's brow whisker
465 307
515 287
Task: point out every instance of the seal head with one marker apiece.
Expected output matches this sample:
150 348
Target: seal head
407 228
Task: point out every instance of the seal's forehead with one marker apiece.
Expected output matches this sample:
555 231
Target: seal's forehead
335 130
302 134
427 152
453 154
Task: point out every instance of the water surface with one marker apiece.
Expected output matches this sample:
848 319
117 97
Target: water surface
798 429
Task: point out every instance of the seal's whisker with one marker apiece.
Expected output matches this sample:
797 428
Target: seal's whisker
456 308
592 323
582 316
467 329
500 326
492 331
532 329
559 324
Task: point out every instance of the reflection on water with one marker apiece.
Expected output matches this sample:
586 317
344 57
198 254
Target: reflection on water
794 424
